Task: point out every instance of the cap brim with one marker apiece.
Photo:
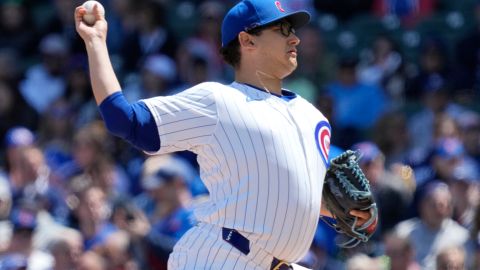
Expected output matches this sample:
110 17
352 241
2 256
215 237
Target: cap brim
298 18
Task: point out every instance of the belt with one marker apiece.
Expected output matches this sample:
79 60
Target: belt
241 243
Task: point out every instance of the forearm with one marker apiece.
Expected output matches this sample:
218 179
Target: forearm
102 76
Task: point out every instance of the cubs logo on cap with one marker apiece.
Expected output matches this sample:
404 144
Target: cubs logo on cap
279 6
322 138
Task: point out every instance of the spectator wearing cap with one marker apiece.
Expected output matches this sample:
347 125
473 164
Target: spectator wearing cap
177 163
172 197
390 190
165 182
437 162
24 222
16 139
448 153
434 229
44 83
350 115
156 78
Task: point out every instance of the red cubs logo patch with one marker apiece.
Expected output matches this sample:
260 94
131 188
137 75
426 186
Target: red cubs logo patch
322 138
279 6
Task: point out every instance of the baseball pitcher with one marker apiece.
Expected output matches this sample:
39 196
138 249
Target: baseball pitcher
262 149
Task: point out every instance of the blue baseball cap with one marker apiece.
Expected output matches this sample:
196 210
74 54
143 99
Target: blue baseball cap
23 218
19 136
163 169
249 14
449 148
369 150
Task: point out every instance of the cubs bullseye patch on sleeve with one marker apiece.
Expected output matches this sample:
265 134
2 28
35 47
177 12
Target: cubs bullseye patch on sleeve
322 138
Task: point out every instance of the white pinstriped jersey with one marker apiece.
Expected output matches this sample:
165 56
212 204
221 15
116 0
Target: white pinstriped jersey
263 160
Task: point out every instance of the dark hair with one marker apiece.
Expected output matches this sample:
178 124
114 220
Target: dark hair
231 52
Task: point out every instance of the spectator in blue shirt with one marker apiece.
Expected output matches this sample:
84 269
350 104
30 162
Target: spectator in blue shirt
166 203
356 106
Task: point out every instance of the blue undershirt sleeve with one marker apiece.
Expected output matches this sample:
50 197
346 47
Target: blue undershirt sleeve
132 122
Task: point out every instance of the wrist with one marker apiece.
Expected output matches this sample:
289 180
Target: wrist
95 42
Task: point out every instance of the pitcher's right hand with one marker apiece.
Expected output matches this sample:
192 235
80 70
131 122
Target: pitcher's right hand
90 32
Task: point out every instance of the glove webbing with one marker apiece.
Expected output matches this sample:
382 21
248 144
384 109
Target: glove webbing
349 161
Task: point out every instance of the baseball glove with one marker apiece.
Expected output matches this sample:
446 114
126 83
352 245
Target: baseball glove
346 188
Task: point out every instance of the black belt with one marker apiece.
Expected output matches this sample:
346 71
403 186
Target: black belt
243 244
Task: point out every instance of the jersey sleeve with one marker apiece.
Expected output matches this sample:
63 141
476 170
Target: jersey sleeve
186 120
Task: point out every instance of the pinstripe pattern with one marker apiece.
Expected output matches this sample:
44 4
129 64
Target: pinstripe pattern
258 158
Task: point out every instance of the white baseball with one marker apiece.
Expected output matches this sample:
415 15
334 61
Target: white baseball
89 17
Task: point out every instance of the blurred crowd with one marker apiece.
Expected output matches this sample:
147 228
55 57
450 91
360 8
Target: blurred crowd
74 197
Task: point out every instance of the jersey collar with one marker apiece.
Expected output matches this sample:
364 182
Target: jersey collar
287 95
